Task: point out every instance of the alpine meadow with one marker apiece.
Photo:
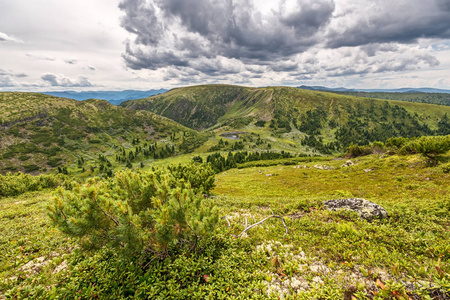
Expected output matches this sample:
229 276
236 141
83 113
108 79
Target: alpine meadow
238 149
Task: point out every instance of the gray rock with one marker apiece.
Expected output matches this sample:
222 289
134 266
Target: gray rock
366 209
324 167
348 163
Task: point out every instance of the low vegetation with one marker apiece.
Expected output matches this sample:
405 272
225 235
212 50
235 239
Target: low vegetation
324 255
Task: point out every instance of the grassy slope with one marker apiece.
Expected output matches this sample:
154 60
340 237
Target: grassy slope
206 106
39 132
201 107
432 98
224 108
330 254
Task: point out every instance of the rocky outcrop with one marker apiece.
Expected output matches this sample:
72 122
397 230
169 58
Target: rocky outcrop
366 209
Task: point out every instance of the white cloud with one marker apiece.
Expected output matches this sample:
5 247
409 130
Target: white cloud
5 38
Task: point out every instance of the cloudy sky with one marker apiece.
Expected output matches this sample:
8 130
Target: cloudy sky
143 44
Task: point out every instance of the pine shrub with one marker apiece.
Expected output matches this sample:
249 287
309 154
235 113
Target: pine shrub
19 183
429 146
136 212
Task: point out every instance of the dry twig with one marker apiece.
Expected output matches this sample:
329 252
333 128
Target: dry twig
247 228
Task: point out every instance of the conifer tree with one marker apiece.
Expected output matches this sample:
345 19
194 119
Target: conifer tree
137 212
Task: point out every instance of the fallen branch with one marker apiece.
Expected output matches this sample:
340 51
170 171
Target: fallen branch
226 219
262 221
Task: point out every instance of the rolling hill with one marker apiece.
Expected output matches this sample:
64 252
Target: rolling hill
41 132
325 121
400 90
419 97
113 97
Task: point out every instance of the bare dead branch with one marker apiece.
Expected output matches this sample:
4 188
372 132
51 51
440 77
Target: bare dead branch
262 221
226 219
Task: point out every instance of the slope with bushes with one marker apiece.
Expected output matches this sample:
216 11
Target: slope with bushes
40 132
326 122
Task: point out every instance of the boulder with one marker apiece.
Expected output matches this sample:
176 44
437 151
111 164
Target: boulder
366 209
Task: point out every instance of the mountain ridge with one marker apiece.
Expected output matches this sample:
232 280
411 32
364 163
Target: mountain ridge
113 97
305 119
398 90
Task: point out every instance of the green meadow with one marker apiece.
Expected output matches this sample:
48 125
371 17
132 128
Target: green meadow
323 255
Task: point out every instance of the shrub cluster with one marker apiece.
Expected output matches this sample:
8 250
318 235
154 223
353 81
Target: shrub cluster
428 146
357 150
19 183
139 212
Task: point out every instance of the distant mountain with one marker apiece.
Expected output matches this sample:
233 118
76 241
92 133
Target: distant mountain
113 97
401 90
322 88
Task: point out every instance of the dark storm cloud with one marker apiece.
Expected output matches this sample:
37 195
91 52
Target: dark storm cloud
402 21
62 81
238 38
141 20
211 29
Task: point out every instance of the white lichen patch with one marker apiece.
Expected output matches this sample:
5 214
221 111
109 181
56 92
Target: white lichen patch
34 266
294 272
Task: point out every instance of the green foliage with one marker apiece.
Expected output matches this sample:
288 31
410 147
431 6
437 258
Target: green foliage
334 255
429 146
221 163
135 212
63 130
19 183
54 162
197 159
356 150
31 168
431 98
398 142
200 177
260 123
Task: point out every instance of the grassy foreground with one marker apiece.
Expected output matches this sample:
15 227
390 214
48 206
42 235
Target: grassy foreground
325 255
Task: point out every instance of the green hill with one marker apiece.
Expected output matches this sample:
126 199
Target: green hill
201 107
325 121
41 132
431 98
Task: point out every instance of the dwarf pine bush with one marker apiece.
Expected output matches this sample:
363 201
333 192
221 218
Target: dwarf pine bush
137 212
429 146
19 183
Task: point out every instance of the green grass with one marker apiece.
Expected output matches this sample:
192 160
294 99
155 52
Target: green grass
325 255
